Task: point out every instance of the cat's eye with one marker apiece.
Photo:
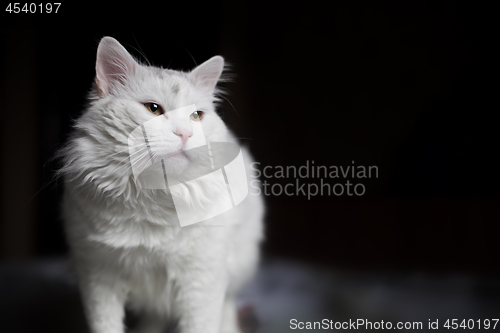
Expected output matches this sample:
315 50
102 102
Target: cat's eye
196 116
154 108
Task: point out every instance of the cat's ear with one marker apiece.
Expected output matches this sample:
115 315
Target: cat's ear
113 65
208 73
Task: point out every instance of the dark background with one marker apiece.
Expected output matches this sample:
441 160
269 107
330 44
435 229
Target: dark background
406 86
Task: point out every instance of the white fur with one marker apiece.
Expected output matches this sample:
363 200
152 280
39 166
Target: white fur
126 242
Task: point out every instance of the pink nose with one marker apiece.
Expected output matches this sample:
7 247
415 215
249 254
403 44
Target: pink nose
185 134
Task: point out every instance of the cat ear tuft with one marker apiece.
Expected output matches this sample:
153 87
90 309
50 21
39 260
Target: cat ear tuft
208 73
113 64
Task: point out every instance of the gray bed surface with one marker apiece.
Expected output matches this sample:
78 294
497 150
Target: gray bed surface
42 296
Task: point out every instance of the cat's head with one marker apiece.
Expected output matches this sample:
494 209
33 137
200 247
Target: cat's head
126 95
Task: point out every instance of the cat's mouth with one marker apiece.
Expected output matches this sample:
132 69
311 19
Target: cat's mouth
178 154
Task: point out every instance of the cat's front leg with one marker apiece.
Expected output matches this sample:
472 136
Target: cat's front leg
199 305
103 299
229 316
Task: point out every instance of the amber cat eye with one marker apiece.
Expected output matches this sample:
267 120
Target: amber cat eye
154 108
196 116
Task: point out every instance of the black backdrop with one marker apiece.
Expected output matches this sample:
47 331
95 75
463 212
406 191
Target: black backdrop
405 86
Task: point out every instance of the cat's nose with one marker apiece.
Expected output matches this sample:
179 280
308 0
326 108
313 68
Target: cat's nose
185 134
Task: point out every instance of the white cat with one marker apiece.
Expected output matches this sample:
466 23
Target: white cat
126 241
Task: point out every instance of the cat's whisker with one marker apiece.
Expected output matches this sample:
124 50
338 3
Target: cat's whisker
140 148
125 150
136 162
230 104
125 169
121 152
191 56
134 153
123 161
140 51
